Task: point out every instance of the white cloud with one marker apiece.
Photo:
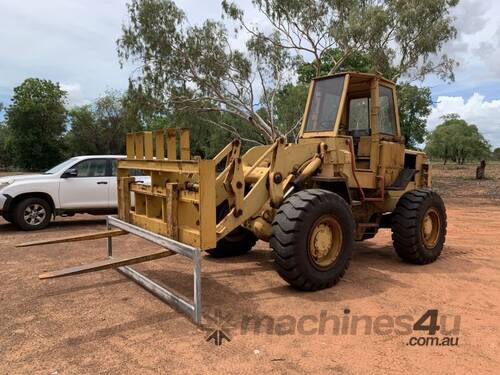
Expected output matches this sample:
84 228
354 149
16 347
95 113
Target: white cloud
74 95
475 48
64 41
476 110
471 15
470 19
489 53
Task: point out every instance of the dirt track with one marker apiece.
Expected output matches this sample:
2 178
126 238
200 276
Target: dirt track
104 323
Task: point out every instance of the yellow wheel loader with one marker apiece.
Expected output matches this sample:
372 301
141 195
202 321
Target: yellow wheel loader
348 176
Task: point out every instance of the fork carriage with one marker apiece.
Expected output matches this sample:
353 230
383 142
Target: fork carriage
176 186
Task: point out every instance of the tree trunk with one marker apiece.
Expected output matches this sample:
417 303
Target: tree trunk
480 170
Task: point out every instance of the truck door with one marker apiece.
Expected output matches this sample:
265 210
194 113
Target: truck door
88 187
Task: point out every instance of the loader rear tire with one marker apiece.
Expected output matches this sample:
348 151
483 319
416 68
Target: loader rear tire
240 241
419 226
312 239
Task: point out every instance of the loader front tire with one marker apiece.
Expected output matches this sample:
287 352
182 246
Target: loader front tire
419 226
312 239
240 241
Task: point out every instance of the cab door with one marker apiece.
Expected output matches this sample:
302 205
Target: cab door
113 185
359 128
391 159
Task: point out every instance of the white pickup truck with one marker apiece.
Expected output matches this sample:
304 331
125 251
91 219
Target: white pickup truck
83 184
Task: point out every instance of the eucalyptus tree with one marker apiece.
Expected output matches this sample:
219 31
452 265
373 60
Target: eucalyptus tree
199 68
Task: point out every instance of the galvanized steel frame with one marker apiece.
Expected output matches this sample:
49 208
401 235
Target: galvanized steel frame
193 310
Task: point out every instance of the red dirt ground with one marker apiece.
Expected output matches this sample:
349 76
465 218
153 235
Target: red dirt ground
104 323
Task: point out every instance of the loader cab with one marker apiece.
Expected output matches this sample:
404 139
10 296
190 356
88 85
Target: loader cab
360 107
342 104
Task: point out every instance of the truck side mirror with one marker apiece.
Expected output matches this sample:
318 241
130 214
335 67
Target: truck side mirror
72 172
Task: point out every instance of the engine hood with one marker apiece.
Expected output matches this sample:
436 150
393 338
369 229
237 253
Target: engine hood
25 177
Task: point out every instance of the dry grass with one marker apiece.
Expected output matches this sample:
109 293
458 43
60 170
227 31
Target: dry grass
458 181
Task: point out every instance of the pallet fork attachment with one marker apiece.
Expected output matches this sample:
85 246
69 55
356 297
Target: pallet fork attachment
171 247
177 209
80 237
104 265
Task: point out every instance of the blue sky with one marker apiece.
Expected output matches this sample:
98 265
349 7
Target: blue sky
73 42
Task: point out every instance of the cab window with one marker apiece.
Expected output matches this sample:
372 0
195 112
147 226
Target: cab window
386 120
359 117
324 104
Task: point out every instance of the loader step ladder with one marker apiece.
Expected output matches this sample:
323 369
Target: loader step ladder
193 310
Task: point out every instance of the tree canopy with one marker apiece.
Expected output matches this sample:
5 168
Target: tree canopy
36 123
496 153
197 69
5 154
404 34
101 127
415 105
455 139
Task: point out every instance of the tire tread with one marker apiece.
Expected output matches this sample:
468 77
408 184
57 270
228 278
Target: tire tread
286 229
405 224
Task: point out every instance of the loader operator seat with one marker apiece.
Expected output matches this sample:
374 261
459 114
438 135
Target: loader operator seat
359 130
361 143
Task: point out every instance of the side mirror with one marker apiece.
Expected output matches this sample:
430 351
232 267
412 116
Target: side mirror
72 172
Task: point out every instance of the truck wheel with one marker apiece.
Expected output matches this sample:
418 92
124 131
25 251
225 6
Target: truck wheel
32 214
419 226
312 239
8 217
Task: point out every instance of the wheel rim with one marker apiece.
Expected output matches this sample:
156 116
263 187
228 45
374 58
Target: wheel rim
34 214
431 227
325 242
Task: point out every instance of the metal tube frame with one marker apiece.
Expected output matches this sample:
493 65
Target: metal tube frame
193 310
